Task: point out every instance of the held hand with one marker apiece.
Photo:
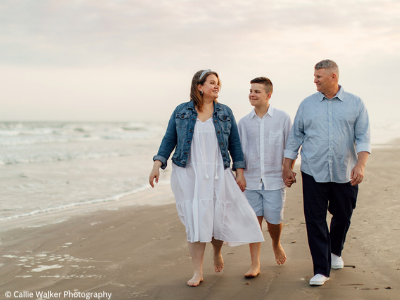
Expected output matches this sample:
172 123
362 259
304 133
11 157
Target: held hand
241 182
289 182
357 175
289 177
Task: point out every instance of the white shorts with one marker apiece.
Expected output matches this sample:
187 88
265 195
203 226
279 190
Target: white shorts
268 203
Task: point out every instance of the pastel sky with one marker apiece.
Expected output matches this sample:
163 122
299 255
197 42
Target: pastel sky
115 60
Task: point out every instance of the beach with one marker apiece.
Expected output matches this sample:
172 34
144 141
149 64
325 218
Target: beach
136 248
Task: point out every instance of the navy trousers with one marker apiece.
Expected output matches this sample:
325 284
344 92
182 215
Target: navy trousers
340 200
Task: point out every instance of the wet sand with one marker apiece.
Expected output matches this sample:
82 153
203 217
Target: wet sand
140 251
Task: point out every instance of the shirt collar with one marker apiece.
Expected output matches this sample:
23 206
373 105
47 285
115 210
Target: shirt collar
270 112
339 95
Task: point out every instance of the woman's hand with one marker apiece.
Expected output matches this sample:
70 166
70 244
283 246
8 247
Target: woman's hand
240 180
155 172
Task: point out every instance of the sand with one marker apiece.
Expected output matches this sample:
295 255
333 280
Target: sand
140 251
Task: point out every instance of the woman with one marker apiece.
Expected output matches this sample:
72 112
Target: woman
209 201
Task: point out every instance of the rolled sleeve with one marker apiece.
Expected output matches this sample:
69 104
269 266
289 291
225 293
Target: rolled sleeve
290 154
235 147
168 142
365 147
238 165
296 136
362 131
162 159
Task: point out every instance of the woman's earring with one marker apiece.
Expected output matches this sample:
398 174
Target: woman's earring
201 92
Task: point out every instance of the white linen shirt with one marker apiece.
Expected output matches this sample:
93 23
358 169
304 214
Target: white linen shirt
263 142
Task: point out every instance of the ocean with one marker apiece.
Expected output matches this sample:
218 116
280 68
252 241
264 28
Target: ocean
47 166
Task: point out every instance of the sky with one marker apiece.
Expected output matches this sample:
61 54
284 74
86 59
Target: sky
116 60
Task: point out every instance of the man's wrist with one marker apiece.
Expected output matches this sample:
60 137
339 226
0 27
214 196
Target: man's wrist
287 164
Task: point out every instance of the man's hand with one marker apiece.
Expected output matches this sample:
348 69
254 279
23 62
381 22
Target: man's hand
357 174
288 176
290 181
240 180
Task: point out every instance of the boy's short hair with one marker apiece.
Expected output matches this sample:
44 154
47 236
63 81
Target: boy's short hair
266 82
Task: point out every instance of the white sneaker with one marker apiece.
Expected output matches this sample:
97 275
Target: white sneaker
318 279
337 262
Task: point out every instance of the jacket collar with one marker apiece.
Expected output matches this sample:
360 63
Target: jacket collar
217 106
191 105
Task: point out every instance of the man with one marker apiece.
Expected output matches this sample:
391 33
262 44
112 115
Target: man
332 127
263 134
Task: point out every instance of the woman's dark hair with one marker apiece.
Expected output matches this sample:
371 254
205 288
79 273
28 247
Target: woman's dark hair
195 95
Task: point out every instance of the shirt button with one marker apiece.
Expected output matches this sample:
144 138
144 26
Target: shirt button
222 144
215 121
188 141
219 132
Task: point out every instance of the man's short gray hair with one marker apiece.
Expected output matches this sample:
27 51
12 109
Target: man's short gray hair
327 64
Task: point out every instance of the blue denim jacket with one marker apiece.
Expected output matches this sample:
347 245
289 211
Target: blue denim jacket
179 134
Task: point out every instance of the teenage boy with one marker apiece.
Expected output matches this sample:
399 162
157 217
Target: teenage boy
263 134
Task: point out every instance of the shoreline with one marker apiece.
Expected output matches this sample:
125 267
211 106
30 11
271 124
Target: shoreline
66 212
120 198
140 251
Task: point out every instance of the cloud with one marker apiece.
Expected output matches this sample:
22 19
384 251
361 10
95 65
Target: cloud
120 59
165 33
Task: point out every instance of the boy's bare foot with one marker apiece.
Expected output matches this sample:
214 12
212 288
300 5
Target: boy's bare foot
280 255
218 262
195 280
253 272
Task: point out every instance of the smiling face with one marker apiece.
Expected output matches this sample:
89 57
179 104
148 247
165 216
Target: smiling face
258 96
325 80
210 87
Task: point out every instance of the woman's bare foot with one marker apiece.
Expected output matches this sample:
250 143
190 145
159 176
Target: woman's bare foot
218 262
280 255
195 280
253 272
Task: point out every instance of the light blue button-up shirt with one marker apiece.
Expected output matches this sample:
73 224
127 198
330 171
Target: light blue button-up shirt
331 133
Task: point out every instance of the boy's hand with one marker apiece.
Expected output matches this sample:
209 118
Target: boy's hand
240 180
289 182
288 176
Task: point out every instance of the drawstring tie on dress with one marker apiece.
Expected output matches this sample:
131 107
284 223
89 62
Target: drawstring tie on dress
202 159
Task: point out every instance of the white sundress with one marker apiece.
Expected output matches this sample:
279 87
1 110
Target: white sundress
208 199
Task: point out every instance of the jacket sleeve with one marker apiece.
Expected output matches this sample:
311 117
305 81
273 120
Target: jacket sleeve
235 147
168 142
